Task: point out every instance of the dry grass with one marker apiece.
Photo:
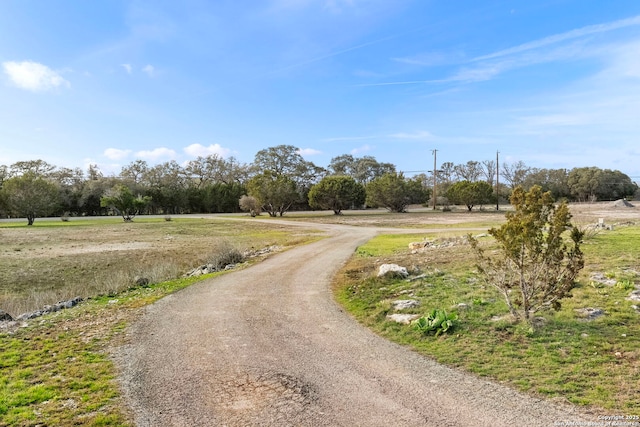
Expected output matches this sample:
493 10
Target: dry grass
54 261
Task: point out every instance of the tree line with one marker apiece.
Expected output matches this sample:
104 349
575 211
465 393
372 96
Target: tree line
278 180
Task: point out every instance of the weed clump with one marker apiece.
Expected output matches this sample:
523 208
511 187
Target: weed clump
224 254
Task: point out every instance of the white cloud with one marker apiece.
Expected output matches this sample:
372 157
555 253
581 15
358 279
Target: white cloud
157 153
415 135
309 152
198 150
127 68
116 154
150 70
33 76
362 149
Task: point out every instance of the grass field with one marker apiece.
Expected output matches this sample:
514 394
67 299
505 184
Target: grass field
54 260
594 363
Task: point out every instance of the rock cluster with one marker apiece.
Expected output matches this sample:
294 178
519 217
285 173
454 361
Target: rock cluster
7 322
212 267
418 247
50 309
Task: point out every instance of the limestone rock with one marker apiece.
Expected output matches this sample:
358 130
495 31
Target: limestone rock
402 304
403 318
392 270
5 317
634 296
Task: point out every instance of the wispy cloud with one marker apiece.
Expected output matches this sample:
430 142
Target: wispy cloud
33 76
309 152
116 154
414 135
557 38
431 59
127 68
156 154
198 150
559 47
150 70
333 54
362 149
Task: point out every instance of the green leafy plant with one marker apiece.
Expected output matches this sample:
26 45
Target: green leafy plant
625 285
438 322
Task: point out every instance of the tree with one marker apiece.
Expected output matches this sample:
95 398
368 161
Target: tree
286 160
616 185
124 202
275 194
362 169
337 193
515 173
92 192
36 168
249 204
70 182
390 191
470 194
536 266
488 168
31 196
471 171
419 191
592 183
554 180
213 168
166 186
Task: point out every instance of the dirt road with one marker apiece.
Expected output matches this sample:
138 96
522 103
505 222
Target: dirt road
268 346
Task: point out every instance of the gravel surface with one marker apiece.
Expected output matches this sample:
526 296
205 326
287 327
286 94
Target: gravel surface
268 346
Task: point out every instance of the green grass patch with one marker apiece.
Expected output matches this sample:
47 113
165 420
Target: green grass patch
593 363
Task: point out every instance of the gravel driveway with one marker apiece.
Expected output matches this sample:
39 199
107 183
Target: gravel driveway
268 346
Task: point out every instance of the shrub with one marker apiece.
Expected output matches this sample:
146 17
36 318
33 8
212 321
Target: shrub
223 254
536 266
249 204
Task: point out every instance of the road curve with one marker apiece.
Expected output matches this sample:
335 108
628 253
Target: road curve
268 346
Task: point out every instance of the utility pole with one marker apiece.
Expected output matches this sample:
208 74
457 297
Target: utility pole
435 181
497 182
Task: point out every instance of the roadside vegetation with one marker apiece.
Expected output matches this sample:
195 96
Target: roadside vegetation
587 352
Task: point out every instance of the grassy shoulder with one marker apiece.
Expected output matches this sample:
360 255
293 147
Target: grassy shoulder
57 370
594 363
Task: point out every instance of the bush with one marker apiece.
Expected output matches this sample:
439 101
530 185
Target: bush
224 254
249 204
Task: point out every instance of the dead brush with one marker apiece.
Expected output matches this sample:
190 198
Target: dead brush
224 253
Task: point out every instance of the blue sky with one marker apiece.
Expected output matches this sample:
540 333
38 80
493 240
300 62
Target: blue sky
555 84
